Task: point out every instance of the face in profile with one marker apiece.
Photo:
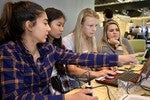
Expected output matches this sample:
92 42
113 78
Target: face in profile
40 29
57 27
89 26
113 31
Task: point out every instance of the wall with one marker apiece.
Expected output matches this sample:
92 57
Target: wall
71 9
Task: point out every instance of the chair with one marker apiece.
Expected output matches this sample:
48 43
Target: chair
139 45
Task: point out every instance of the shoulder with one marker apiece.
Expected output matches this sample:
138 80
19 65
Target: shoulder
105 47
125 41
68 37
9 46
68 41
46 46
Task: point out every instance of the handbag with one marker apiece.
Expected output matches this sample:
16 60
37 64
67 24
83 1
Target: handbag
61 81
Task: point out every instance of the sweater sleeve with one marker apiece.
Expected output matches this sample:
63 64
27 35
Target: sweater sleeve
128 46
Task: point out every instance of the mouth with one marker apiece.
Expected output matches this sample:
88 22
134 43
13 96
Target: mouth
92 33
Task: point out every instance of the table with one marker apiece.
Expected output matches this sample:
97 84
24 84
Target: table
102 91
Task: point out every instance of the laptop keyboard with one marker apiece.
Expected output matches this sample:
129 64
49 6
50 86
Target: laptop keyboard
128 76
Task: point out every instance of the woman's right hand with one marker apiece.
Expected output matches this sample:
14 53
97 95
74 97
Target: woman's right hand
127 59
81 95
102 72
113 41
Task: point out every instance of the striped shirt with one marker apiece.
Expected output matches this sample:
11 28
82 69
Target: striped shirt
22 78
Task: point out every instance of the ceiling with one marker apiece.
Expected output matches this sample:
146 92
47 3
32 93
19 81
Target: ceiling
132 8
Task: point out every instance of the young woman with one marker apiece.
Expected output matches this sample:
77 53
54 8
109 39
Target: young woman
27 60
112 42
82 40
56 21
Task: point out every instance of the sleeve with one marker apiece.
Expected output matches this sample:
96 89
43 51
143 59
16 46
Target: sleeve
109 50
12 80
85 59
128 46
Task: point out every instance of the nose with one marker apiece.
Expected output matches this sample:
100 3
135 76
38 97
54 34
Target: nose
62 29
48 28
115 32
94 28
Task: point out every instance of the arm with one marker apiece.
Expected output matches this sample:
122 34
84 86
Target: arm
128 46
74 70
109 50
84 59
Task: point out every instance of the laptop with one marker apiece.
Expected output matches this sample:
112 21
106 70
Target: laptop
127 75
124 76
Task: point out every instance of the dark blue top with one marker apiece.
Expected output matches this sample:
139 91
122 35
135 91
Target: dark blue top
22 78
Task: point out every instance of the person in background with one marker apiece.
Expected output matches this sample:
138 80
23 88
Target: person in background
108 15
27 60
138 33
56 21
128 35
113 43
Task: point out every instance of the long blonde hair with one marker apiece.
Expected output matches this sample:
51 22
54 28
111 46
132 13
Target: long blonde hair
78 33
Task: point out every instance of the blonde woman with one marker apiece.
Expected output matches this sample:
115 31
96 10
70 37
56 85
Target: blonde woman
82 40
112 42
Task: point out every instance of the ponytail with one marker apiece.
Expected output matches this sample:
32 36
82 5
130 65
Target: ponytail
5 22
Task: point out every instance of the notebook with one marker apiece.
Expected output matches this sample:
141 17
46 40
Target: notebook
124 76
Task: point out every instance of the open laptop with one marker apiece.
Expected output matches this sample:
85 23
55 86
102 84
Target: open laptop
124 76
128 75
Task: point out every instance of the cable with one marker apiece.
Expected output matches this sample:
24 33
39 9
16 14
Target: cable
125 97
108 92
99 86
144 87
77 78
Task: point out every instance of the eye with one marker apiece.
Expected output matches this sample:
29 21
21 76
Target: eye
46 23
117 29
111 30
60 25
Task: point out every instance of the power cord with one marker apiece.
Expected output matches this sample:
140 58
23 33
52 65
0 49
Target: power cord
89 83
144 87
77 78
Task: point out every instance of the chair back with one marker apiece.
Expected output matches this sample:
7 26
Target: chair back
139 45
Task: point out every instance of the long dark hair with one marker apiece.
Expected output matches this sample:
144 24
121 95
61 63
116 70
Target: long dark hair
14 16
54 14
